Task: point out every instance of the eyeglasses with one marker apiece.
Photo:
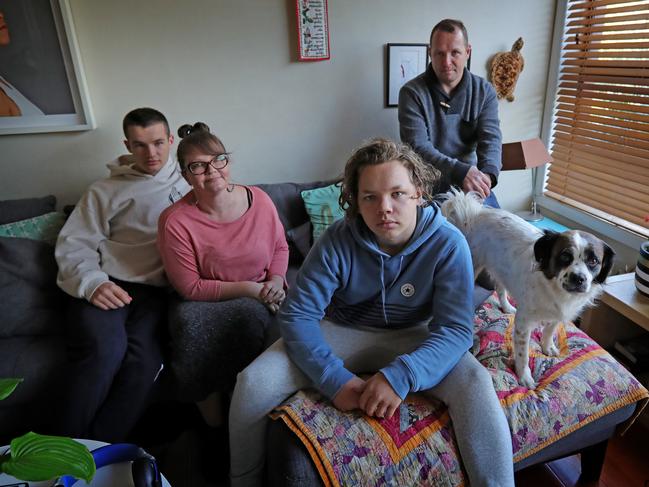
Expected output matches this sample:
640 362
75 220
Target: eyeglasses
218 162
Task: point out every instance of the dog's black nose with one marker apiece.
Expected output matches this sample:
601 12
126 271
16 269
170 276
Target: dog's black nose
577 279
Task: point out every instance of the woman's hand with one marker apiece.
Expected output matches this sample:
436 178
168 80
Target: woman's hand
272 291
346 399
378 399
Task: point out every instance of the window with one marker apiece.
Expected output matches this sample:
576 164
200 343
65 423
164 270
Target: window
600 123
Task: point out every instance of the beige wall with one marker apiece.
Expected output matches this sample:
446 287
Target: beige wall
231 63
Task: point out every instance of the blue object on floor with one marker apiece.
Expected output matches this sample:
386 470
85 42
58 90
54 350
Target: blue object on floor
548 224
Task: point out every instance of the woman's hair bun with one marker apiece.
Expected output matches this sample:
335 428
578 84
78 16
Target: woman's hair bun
185 130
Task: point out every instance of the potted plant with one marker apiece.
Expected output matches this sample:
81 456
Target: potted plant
33 457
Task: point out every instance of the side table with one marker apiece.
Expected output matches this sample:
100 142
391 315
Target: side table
116 475
621 313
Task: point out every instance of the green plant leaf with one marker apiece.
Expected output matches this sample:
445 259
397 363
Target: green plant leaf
35 457
7 386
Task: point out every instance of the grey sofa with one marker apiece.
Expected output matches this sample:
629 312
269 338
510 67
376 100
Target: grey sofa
32 327
32 344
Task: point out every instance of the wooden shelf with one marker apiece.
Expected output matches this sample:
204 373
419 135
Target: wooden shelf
621 294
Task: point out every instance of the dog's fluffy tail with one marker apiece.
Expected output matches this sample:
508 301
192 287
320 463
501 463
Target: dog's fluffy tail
461 208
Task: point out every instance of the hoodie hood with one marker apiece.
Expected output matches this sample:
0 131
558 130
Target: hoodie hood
129 170
429 220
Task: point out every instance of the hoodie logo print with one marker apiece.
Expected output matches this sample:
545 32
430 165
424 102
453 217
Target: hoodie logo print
407 290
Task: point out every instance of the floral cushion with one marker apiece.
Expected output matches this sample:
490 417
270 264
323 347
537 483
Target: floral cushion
417 445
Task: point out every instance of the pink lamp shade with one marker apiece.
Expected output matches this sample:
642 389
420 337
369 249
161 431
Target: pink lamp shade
525 154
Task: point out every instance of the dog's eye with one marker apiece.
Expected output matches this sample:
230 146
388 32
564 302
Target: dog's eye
592 263
565 258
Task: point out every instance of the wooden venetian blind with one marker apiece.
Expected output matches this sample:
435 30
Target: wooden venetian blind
600 142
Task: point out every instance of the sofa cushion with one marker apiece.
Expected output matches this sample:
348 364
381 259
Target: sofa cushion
288 201
30 301
300 238
323 207
44 227
21 209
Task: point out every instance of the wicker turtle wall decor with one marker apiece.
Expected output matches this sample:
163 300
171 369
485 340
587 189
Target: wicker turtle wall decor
505 68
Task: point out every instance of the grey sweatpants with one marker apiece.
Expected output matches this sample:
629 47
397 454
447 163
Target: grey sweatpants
479 423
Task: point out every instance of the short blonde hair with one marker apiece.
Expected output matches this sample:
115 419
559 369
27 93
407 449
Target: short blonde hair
378 151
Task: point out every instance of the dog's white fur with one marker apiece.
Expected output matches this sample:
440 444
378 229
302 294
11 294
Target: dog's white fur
503 244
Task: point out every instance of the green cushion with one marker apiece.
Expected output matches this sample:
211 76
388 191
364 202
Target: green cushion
323 207
44 228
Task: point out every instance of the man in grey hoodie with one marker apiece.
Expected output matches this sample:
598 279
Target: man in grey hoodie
110 266
449 116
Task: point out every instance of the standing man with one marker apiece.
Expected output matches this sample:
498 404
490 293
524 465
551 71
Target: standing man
109 264
449 116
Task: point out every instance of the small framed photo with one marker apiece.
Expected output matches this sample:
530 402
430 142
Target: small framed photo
42 84
405 61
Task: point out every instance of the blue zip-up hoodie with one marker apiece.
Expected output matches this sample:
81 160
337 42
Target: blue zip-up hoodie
354 282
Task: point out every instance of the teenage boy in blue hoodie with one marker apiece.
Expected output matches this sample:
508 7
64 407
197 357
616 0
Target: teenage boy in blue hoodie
387 289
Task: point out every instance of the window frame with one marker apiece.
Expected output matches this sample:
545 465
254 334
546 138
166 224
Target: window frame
598 225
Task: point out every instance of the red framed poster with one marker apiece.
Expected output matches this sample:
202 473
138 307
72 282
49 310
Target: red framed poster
312 30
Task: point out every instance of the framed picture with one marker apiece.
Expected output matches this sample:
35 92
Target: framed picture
42 85
313 30
405 61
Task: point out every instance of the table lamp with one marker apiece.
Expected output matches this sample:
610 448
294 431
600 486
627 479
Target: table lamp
526 154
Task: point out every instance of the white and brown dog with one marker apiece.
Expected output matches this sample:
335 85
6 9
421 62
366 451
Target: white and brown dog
552 276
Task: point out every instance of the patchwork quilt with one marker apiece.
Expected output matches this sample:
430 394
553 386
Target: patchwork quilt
417 445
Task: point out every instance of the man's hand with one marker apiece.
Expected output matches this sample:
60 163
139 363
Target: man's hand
378 398
272 291
476 180
110 296
348 396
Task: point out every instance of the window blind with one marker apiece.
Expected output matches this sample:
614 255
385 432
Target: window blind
600 136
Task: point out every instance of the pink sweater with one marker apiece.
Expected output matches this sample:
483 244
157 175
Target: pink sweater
199 253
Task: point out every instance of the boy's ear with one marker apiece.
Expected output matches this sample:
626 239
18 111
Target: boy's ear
127 145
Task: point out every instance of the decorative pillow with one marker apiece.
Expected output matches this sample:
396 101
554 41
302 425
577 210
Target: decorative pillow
581 385
300 236
45 227
21 209
30 301
323 207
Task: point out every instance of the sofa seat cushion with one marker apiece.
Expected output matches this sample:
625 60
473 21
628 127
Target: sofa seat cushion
417 444
30 301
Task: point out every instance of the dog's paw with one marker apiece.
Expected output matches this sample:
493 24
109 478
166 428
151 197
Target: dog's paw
551 350
525 379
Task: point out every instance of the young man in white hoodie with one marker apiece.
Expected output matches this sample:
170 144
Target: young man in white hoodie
109 264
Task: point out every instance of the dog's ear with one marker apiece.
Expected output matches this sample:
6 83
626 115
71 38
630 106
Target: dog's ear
607 263
543 247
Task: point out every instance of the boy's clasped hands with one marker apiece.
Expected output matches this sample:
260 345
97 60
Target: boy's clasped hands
374 396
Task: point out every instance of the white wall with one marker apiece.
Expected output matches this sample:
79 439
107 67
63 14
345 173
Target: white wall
231 63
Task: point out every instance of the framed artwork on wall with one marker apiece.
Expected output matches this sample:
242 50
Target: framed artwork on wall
42 85
405 61
312 30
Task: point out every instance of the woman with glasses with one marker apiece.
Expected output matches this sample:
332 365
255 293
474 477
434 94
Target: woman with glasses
225 253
